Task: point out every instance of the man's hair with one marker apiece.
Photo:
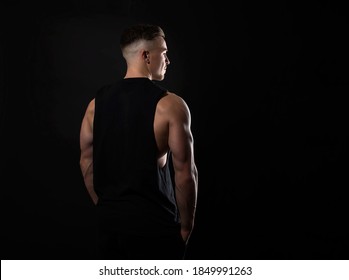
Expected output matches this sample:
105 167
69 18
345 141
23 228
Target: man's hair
139 32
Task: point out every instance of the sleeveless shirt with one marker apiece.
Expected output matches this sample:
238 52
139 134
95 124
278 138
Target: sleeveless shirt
134 192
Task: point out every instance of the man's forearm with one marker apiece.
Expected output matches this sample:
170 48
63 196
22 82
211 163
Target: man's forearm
186 196
87 172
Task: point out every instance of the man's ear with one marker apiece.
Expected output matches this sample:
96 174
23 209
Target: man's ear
146 56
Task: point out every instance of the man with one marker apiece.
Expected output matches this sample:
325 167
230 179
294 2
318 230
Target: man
130 133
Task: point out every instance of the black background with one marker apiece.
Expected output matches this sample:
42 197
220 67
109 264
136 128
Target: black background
266 83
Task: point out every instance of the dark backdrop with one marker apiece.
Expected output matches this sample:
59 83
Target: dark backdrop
266 83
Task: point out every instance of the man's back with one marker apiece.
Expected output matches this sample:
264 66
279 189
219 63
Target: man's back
131 187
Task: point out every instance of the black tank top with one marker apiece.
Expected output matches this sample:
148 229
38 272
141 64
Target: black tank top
134 193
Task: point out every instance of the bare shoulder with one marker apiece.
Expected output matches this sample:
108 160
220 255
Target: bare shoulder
90 110
173 103
91 105
173 97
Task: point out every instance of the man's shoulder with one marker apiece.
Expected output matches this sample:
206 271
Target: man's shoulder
172 101
174 97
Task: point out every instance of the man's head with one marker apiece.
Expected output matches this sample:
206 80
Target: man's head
144 48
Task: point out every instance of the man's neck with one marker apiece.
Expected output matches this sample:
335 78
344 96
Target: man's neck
137 73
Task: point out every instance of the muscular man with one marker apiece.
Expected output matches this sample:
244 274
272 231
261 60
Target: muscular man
130 133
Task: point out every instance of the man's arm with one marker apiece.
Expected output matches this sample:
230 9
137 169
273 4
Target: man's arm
181 144
86 149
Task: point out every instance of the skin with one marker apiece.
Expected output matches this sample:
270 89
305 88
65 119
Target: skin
171 128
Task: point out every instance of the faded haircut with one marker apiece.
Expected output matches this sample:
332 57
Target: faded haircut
139 32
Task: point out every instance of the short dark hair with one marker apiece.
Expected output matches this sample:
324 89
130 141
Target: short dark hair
140 31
